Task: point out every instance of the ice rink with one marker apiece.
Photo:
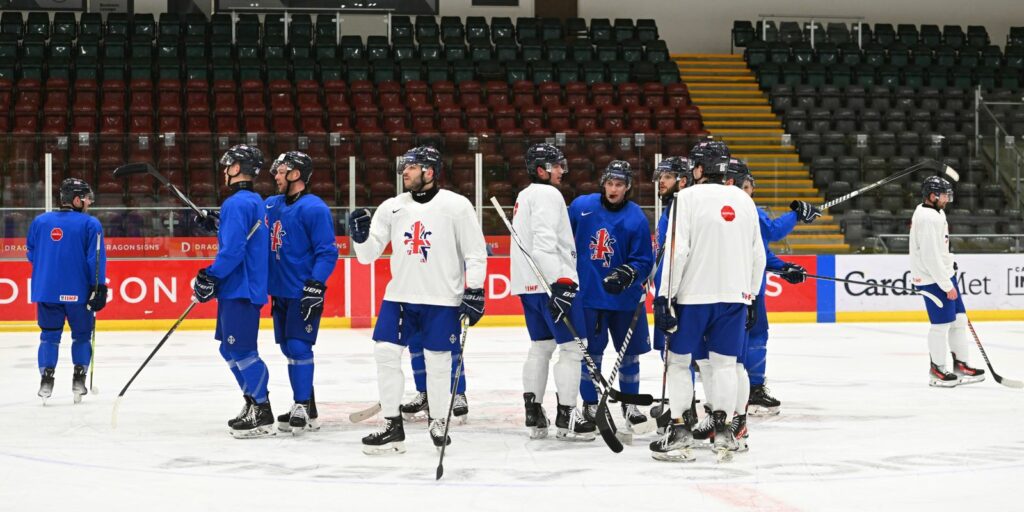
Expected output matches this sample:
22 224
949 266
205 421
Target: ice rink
859 429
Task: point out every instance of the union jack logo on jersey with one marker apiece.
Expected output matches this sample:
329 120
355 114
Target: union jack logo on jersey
416 241
277 238
601 247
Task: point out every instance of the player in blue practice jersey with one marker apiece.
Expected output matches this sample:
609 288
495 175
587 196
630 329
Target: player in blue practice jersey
302 256
69 269
613 240
238 279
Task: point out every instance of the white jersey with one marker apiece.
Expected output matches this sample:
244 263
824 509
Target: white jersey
930 259
541 220
437 248
718 254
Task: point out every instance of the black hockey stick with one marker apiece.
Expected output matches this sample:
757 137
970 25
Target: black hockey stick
664 349
925 164
145 168
117 403
912 291
1010 383
451 401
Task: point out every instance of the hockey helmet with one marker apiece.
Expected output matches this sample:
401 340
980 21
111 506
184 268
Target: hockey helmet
294 161
424 156
249 158
547 156
71 188
679 166
936 185
618 170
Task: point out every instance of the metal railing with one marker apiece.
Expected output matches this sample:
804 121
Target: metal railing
810 22
1005 157
881 246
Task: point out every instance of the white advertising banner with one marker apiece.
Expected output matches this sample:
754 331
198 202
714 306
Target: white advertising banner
989 282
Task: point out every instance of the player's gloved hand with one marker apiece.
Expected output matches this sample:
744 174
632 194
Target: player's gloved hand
472 304
619 279
805 211
793 273
205 287
563 292
359 225
312 303
751 314
210 222
664 317
97 298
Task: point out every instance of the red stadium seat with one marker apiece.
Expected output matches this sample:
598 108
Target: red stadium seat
558 119
497 93
389 93
477 119
629 94
551 94
416 93
576 94
654 94
450 118
470 93
444 93
602 94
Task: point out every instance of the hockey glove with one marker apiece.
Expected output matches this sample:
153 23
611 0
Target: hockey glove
97 299
563 292
210 222
805 211
619 279
751 314
359 225
793 273
205 287
664 318
472 304
312 303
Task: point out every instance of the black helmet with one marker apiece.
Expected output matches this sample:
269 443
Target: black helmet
71 188
739 172
544 155
425 156
936 185
618 170
294 160
708 152
680 166
249 158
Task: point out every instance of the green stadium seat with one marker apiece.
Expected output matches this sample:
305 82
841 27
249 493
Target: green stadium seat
38 23
431 51
601 30
404 50
593 71
527 29
143 26
556 51
377 48
542 71
117 25
357 70
437 71
480 50
455 50
632 51
505 51
516 71
568 71
384 70
301 27
410 70
647 30
552 30
619 72
463 71
668 72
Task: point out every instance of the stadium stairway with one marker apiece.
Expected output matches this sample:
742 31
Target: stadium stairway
737 112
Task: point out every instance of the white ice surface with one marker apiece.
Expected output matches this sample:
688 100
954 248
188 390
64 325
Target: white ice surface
860 430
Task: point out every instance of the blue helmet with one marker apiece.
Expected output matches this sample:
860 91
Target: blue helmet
249 158
425 156
544 155
936 185
618 170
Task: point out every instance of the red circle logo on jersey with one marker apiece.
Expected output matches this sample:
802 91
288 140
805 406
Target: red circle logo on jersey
56 234
728 213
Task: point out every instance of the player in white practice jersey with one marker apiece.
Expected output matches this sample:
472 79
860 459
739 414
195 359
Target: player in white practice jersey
932 268
438 265
714 267
541 220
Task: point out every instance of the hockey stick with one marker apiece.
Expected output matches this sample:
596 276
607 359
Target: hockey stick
926 164
913 291
92 342
1010 383
117 403
664 349
145 168
364 414
451 401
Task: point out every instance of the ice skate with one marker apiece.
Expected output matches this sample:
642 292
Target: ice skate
417 408
738 427
589 412
675 445
461 408
389 439
249 402
437 435
637 422
967 374
662 416
761 402
312 421
940 377
705 431
299 420
536 419
78 388
46 385
257 422
724 443
572 426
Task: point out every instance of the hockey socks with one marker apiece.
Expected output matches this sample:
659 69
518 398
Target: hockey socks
419 372
81 351
629 375
233 366
390 380
587 390
255 375
48 351
567 373
535 369
300 368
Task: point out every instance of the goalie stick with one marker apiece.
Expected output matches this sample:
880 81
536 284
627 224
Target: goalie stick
913 291
145 168
926 164
1010 383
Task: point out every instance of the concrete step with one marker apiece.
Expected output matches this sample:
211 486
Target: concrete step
705 78
816 228
767 192
725 133
713 87
715 124
789 182
764 115
773 150
705 101
714 68
782 202
755 108
753 140
763 158
811 248
707 56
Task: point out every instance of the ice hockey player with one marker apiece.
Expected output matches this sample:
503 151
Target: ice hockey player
303 255
541 220
932 269
614 238
672 175
438 266
69 269
703 153
418 407
717 264
238 280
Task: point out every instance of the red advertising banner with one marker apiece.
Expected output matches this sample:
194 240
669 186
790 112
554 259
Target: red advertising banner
781 296
140 247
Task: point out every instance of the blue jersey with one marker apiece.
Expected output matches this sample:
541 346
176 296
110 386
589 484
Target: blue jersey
773 231
605 240
301 244
241 263
62 250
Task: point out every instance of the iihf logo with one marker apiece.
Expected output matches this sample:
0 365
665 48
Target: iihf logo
277 238
416 241
601 247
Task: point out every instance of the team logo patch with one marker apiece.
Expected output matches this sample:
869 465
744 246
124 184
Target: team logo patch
309 328
56 234
416 241
451 339
231 340
728 213
69 298
601 247
277 238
